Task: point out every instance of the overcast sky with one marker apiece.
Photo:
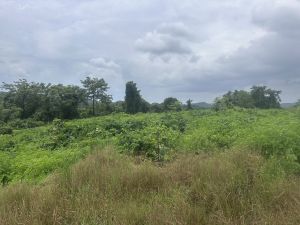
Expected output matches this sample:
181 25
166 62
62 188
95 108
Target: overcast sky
196 49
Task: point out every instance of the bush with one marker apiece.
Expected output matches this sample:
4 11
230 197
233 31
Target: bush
153 141
174 121
6 143
27 123
58 135
6 130
5 168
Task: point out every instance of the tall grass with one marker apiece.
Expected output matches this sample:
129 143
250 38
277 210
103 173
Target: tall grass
235 187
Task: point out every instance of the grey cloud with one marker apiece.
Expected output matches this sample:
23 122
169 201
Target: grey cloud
195 48
283 18
169 38
175 29
104 63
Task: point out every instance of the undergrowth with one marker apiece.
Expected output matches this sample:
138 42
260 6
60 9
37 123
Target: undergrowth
236 187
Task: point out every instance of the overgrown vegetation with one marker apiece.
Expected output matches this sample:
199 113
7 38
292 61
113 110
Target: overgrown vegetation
238 163
31 154
106 188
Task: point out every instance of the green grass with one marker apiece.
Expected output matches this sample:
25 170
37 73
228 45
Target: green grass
235 187
193 167
32 154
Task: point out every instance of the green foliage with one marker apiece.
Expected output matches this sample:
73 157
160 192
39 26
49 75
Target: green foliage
5 130
174 121
189 104
259 97
7 143
5 168
10 114
156 108
26 123
96 91
265 98
153 141
274 134
171 104
133 98
59 135
39 101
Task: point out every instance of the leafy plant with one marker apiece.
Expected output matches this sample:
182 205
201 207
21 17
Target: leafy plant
153 141
6 130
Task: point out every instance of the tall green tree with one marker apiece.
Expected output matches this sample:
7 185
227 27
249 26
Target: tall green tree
96 90
265 98
171 104
133 99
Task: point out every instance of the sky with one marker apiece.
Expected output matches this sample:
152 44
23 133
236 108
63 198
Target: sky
197 49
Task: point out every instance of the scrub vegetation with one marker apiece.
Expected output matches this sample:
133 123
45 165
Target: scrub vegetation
237 163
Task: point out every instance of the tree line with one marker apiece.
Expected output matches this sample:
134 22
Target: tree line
258 97
44 102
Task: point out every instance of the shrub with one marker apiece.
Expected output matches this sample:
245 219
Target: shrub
6 130
6 143
5 168
174 121
26 123
153 141
58 135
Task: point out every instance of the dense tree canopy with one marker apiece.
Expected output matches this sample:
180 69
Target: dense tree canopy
265 98
23 100
171 104
259 97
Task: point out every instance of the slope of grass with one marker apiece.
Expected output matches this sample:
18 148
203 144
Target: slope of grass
236 187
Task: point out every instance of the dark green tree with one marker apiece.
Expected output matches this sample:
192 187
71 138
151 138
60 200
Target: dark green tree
144 106
265 98
62 102
189 104
171 104
156 107
237 98
133 98
23 95
118 106
96 90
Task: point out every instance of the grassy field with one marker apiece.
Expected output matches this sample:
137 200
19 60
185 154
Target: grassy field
109 188
193 167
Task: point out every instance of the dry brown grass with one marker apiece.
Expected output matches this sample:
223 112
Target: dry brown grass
107 188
